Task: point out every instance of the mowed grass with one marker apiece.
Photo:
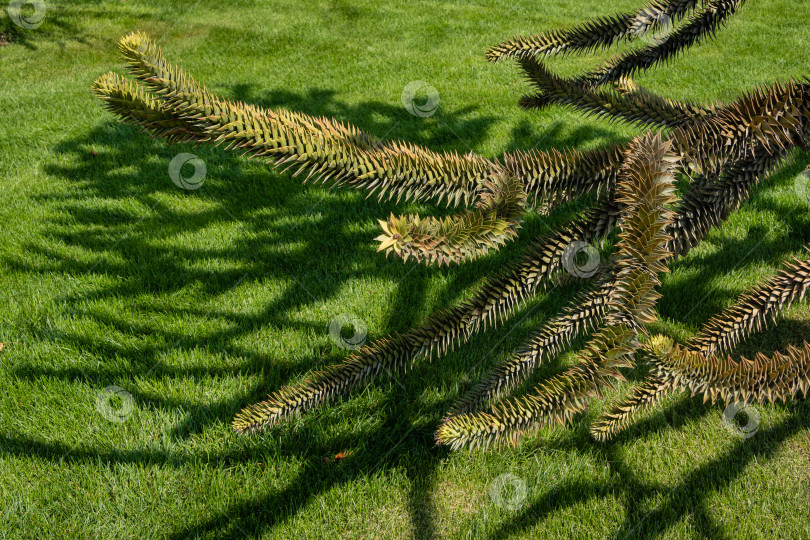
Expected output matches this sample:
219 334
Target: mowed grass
198 303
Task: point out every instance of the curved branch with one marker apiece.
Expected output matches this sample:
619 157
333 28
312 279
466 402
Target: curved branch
593 35
493 302
705 23
455 239
331 151
626 102
645 189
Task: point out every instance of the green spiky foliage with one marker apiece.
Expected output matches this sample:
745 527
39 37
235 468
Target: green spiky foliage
702 24
467 236
552 178
626 101
583 314
624 198
700 367
779 378
708 17
597 34
645 190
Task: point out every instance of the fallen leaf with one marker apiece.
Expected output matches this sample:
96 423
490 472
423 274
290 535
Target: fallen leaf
343 455
338 457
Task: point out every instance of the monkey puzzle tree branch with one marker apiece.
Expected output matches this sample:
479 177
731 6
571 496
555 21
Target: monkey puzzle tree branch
596 34
135 105
644 191
553 177
455 239
708 203
704 23
700 368
753 310
642 395
321 147
625 102
550 177
494 301
779 378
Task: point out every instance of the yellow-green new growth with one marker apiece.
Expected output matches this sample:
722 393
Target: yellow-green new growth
467 236
320 147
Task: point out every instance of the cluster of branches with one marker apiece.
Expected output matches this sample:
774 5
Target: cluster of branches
721 151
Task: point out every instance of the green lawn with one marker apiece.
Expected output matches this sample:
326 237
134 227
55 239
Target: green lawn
198 303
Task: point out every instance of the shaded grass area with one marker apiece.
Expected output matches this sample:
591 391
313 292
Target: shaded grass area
200 302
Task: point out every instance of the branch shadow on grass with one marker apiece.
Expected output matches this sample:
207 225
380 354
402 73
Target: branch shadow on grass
687 498
144 244
62 25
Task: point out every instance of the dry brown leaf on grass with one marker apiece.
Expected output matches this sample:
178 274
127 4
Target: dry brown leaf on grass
3 345
339 456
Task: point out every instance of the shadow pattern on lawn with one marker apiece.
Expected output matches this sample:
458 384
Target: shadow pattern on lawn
140 249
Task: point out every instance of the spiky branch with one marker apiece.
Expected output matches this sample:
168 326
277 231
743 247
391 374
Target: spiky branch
645 190
700 367
779 378
321 147
627 101
493 302
722 150
493 223
597 34
704 23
